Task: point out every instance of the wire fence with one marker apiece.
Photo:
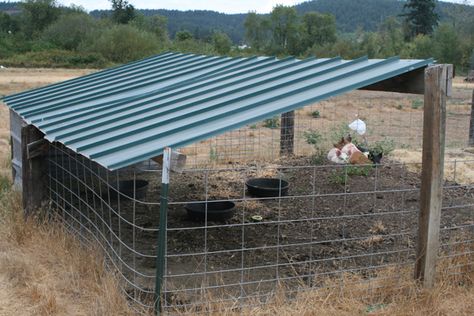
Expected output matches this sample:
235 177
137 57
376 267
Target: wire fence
321 223
397 118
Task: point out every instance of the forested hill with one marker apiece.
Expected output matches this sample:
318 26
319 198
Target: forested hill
350 14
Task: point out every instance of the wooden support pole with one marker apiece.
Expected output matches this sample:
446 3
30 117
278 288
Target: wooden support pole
34 171
471 127
287 133
437 82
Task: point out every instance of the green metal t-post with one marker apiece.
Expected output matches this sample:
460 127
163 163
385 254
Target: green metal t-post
160 258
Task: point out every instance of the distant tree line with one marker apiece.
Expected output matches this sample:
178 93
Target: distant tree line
44 33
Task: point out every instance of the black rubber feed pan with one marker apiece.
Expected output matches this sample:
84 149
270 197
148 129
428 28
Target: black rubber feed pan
216 211
126 189
267 187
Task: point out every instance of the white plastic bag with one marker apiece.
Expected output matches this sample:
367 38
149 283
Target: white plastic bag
358 126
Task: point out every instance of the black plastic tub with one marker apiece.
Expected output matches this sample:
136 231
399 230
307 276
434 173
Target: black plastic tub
126 189
216 211
267 187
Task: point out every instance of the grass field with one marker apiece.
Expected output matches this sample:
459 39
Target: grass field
43 271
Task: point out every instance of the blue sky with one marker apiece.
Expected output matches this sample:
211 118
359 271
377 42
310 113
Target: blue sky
227 6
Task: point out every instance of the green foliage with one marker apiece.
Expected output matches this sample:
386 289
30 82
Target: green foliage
472 60
318 29
4 184
416 104
385 147
338 132
400 107
213 155
256 31
156 25
421 17
122 11
447 46
9 24
56 58
37 15
342 175
284 26
313 137
70 31
122 43
184 35
316 114
222 43
273 122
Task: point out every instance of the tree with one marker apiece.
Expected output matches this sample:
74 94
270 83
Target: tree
8 24
421 18
318 29
70 30
122 11
155 24
122 43
447 46
284 25
38 14
222 43
257 31
183 35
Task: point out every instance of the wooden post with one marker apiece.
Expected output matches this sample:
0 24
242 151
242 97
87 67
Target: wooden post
34 171
287 134
471 127
437 82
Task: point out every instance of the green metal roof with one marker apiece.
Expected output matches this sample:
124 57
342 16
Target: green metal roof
124 115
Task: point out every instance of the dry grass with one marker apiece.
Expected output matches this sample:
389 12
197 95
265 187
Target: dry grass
392 293
44 271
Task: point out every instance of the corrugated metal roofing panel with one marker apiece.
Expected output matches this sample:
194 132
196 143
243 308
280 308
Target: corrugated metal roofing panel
128 114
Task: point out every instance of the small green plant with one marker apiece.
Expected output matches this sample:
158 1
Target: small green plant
339 132
400 107
313 137
337 177
385 147
273 122
316 114
416 104
358 171
213 155
4 184
253 126
340 176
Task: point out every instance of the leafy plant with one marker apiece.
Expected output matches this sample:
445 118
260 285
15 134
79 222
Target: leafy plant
339 132
400 107
384 147
313 137
316 114
273 122
416 104
253 126
213 155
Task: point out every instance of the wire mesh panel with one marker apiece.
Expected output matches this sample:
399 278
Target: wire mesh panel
233 237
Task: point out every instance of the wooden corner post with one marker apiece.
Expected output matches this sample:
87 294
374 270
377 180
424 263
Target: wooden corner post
287 134
437 87
34 168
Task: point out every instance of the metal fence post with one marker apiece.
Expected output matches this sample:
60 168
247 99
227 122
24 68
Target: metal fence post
437 86
160 258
